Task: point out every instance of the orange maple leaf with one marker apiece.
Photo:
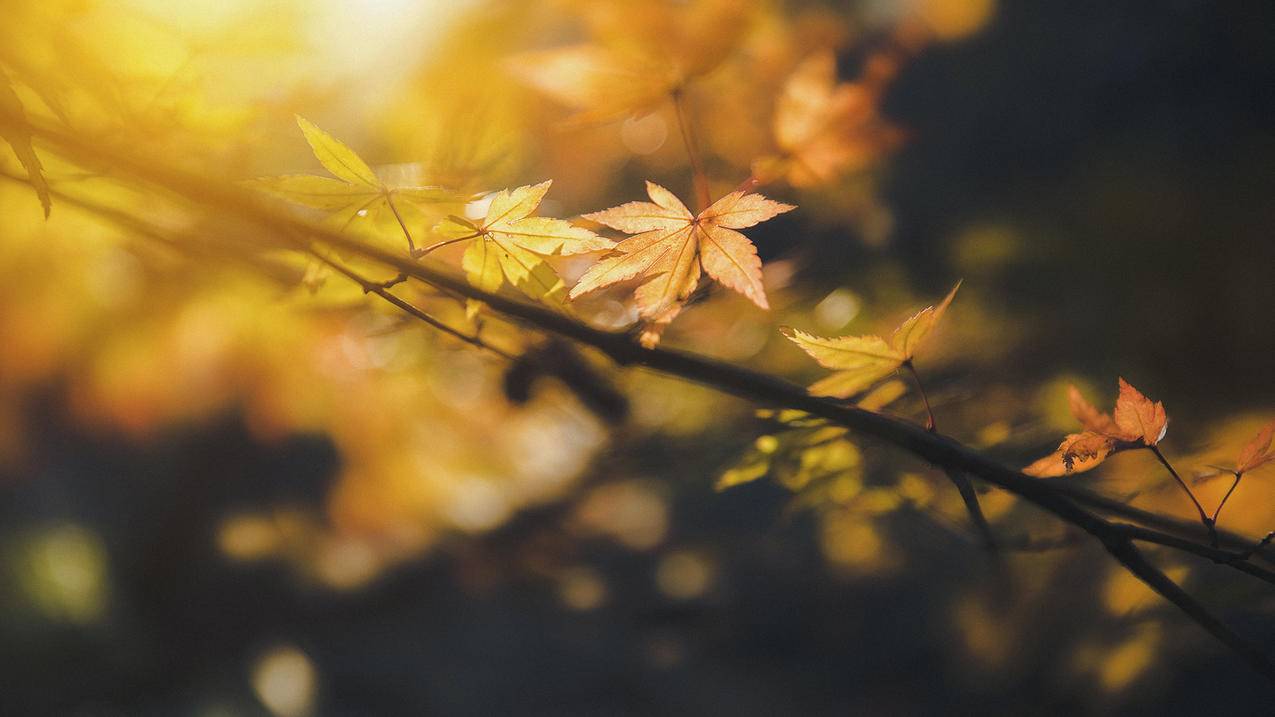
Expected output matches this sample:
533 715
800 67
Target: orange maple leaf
823 128
1257 452
669 248
1138 421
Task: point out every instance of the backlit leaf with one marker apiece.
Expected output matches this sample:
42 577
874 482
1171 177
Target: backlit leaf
355 192
509 245
1137 422
1257 452
669 247
862 361
337 158
1138 417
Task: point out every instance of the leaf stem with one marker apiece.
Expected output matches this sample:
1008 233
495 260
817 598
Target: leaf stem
920 387
1062 500
959 479
749 184
411 245
1204 517
372 287
441 244
703 196
1227 497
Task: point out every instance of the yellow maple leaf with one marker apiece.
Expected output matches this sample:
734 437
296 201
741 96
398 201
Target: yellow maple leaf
510 245
861 361
643 53
355 192
823 128
1138 421
669 248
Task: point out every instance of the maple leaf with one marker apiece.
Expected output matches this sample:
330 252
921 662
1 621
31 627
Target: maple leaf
510 245
1138 421
19 139
824 128
355 192
1257 452
1138 417
861 361
646 52
669 248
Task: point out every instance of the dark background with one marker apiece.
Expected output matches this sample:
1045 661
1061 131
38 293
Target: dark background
1130 143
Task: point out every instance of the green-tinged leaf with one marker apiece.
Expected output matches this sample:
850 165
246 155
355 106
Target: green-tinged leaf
752 465
913 332
797 458
844 384
861 361
883 395
818 460
337 158
846 353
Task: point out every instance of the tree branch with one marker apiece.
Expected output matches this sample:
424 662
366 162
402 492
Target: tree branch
745 383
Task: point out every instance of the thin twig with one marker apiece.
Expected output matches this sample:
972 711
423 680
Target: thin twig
1204 517
441 244
1258 547
378 288
411 245
958 479
920 388
1226 497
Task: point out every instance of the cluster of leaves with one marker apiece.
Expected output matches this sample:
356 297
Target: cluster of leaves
806 452
638 60
859 363
1138 422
